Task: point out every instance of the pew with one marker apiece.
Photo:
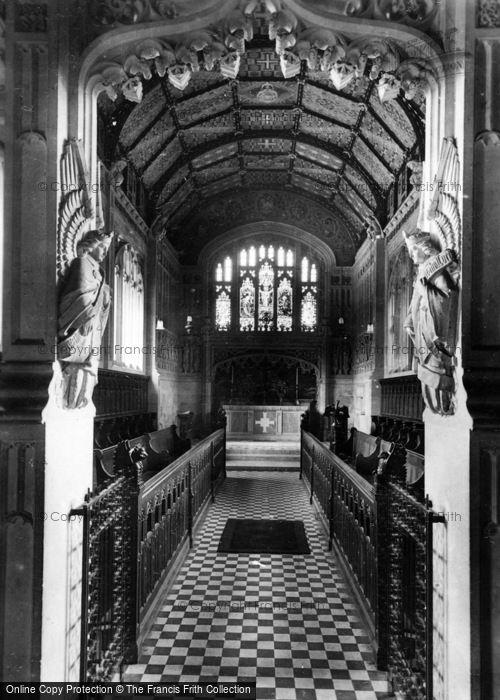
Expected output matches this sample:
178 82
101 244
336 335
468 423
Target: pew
408 433
161 447
415 468
363 452
366 451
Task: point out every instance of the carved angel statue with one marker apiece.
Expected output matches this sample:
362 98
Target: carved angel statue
83 313
84 299
432 319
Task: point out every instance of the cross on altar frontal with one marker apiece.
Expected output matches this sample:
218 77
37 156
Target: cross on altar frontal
264 422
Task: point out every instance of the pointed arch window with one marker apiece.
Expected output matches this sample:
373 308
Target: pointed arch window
268 292
223 279
309 296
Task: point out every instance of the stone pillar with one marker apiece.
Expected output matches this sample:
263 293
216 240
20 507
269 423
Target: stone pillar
28 331
481 340
379 275
45 452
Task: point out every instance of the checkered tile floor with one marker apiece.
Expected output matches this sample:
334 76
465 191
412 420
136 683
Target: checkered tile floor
287 621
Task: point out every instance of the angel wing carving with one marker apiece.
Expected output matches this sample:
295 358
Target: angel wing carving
75 210
444 209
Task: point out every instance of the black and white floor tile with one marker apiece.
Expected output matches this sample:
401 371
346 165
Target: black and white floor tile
287 622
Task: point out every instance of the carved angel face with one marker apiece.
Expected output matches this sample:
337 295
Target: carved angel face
417 253
100 251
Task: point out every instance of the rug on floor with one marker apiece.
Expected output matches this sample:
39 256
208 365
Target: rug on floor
245 536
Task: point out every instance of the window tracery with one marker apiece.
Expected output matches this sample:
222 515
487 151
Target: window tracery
269 290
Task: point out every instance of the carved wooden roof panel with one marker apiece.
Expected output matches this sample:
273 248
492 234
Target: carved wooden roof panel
266 145
358 88
354 219
208 175
353 178
326 131
152 141
381 140
143 116
373 165
223 184
262 177
305 183
204 105
259 94
267 161
266 119
301 135
395 118
331 105
357 203
309 169
180 176
163 161
205 132
319 155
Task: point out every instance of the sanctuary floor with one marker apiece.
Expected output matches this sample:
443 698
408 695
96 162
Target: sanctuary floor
288 622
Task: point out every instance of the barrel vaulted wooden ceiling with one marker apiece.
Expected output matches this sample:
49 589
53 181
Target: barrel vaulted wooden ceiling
222 151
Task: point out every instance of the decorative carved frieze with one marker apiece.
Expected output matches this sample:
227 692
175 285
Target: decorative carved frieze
220 48
31 16
488 13
415 13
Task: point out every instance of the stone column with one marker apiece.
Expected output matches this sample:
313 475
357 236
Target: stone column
481 342
28 330
379 274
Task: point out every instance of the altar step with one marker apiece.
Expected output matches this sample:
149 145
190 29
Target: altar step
244 455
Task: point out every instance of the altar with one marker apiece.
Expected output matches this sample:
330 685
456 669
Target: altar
263 422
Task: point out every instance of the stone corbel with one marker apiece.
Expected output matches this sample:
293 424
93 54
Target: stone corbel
416 75
282 26
238 30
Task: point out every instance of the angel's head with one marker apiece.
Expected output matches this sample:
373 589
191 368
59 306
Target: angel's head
420 247
94 243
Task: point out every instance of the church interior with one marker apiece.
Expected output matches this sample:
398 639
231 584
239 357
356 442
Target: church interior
250 345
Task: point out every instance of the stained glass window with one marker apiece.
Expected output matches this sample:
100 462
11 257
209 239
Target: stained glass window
247 304
223 276
266 297
276 290
308 312
223 310
285 297
309 300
